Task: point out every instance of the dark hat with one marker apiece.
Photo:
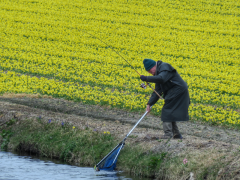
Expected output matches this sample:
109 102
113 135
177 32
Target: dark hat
148 64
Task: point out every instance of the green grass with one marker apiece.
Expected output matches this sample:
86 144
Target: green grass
83 146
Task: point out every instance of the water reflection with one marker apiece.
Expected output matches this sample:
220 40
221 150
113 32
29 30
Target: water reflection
22 167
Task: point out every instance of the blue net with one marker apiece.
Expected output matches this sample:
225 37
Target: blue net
109 164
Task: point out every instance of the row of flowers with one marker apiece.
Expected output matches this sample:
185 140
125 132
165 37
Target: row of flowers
17 83
202 89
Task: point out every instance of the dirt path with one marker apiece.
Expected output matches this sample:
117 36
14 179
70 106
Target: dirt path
205 143
63 110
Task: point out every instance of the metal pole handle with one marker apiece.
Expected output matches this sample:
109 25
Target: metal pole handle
136 124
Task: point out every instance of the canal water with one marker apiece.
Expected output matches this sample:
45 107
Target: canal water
26 167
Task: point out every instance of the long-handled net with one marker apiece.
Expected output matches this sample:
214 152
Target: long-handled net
109 162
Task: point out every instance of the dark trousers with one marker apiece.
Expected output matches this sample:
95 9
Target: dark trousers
170 129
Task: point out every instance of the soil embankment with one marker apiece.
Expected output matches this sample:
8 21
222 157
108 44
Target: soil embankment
212 152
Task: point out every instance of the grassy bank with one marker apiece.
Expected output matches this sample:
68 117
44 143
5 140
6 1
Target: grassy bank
84 146
88 146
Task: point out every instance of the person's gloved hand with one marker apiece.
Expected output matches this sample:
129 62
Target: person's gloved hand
143 78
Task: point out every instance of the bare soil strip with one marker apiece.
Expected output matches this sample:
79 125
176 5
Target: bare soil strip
70 108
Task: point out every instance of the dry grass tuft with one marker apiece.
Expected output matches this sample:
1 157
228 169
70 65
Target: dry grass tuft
232 170
22 95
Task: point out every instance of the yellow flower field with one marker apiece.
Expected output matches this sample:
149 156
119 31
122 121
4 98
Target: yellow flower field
53 48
